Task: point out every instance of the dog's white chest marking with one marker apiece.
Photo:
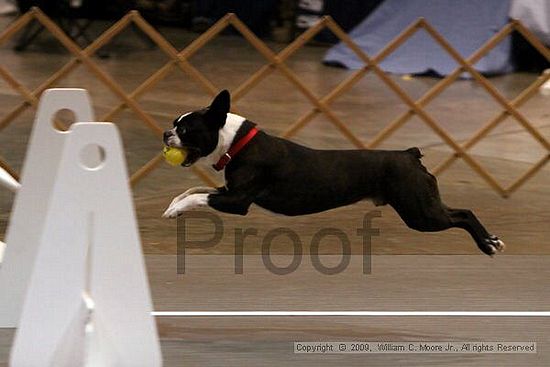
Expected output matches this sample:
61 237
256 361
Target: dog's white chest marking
225 138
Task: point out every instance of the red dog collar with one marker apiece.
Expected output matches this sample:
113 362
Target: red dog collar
234 149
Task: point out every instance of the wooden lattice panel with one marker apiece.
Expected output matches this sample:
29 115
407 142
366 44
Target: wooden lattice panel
276 62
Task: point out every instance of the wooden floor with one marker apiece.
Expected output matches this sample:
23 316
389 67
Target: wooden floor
410 270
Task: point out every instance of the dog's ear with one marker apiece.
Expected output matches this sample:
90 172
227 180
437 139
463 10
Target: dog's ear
221 104
217 112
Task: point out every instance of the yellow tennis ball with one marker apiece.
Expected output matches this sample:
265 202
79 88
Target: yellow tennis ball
174 156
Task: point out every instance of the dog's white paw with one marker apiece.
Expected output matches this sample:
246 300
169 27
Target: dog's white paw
498 244
171 212
193 191
176 200
493 245
177 207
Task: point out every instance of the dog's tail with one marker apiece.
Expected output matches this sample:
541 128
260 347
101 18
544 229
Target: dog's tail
415 152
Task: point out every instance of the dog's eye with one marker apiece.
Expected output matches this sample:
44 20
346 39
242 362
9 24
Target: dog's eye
181 130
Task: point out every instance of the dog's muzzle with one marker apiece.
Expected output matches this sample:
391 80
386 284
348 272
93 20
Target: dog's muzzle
171 139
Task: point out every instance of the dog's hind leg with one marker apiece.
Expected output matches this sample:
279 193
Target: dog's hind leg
421 208
465 219
435 217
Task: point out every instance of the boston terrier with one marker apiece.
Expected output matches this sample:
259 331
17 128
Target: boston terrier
290 179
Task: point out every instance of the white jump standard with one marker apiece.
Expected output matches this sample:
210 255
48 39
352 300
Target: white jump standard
79 287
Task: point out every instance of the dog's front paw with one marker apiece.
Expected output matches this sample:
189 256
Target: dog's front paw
172 211
176 207
193 201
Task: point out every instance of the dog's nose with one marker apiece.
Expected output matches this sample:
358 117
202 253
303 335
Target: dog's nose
167 134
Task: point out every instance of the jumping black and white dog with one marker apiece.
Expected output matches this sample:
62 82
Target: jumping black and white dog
291 179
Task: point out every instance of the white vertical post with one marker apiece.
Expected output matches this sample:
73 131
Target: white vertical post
545 88
29 209
88 300
2 250
10 183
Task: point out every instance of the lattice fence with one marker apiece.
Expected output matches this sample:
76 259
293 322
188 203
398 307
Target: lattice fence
276 62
